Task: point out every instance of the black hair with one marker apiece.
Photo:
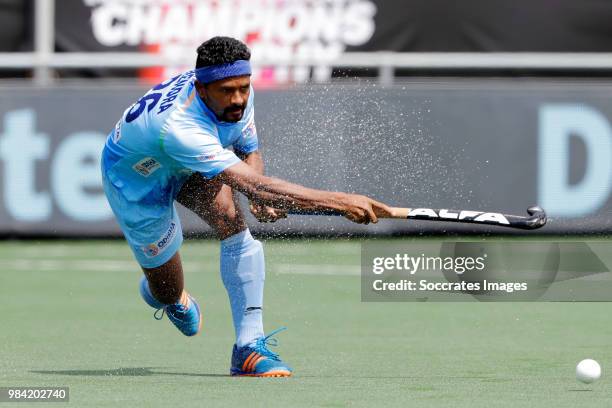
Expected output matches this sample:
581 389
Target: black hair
221 50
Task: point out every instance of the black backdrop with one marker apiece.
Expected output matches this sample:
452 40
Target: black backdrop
434 25
15 25
401 25
492 25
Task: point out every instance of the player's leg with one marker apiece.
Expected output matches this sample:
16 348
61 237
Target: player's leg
242 272
165 283
161 288
242 258
153 231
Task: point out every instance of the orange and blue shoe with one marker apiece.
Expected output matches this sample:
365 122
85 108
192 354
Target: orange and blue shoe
185 314
256 360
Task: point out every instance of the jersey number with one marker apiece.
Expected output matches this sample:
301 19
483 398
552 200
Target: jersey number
139 107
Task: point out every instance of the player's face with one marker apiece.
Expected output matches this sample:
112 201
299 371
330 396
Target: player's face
227 98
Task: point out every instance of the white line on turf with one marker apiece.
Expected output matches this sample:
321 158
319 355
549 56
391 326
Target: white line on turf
316 269
59 265
63 251
190 249
33 265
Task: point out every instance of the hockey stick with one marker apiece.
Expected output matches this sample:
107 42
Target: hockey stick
536 218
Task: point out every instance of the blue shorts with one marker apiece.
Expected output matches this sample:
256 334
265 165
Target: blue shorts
150 225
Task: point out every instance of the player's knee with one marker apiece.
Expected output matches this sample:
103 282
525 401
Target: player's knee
243 255
228 212
229 223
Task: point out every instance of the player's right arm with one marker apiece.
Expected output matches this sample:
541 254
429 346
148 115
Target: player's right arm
193 146
277 193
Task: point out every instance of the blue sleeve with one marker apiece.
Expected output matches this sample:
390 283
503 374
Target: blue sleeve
247 142
197 150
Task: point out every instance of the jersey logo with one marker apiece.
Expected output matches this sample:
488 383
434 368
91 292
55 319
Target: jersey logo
147 166
204 157
117 133
249 130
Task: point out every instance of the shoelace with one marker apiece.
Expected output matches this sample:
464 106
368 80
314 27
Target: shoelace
161 315
179 309
261 345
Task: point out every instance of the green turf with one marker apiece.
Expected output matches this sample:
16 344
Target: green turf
71 316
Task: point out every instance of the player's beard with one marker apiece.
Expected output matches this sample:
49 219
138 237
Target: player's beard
233 113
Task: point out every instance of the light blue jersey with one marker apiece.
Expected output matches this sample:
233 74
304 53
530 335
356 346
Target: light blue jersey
165 137
170 132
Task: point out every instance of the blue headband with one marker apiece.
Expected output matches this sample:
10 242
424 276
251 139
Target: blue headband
213 73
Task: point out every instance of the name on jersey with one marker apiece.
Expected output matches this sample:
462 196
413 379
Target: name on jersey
174 91
146 166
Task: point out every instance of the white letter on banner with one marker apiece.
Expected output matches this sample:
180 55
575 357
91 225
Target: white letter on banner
71 174
20 147
108 24
558 122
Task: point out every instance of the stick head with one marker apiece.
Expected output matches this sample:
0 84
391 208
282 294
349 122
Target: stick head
538 217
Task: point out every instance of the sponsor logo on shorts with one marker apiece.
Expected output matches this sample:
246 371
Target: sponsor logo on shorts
151 250
159 246
146 166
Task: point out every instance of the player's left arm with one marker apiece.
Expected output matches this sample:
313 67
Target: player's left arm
247 150
262 212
